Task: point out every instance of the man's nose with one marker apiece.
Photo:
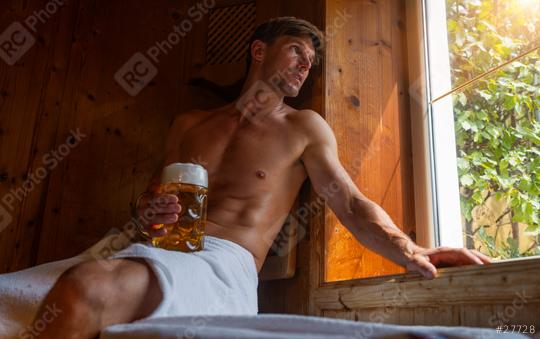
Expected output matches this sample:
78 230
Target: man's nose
304 63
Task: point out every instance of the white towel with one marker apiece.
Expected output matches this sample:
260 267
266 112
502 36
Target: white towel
21 292
283 326
221 279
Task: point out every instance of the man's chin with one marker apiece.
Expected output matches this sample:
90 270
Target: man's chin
291 91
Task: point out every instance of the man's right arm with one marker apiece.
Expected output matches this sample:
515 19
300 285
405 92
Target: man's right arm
366 220
153 207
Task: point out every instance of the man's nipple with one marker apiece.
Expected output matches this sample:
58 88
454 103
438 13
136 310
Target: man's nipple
260 174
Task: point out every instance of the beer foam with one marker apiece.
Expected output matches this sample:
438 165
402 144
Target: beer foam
186 173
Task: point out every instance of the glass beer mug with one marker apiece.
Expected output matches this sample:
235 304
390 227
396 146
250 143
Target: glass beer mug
189 182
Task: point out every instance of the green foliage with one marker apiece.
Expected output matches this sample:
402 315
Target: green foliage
497 120
509 249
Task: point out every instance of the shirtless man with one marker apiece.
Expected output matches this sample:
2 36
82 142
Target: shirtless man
257 158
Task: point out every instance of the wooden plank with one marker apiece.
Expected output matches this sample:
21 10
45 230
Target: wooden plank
125 133
406 316
368 315
339 314
432 316
16 134
368 111
487 315
38 78
506 282
506 314
498 294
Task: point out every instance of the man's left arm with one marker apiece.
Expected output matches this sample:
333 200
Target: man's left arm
366 220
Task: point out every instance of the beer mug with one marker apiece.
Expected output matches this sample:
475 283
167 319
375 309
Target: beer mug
189 182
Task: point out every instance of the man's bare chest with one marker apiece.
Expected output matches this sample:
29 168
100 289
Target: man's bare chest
226 148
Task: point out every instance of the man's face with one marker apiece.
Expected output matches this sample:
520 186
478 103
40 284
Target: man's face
287 63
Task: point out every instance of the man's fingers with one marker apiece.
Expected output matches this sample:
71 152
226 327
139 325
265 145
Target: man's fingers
467 257
161 209
157 232
471 258
448 257
159 199
167 218
428 271
445 257
163 199
423 266
485 259
149 213
157 228
158 209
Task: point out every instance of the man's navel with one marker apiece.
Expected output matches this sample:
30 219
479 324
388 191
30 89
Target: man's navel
260 174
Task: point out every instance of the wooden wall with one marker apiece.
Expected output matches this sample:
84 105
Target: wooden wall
66 81
368 108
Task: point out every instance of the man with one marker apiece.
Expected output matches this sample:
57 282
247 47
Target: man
258 151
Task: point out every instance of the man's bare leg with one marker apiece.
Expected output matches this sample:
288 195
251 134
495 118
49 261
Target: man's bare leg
95 294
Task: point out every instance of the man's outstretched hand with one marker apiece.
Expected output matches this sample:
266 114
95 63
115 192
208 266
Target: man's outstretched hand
426 260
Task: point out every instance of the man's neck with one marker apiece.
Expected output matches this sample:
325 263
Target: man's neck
259 98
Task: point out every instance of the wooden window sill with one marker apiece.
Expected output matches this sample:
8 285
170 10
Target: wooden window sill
499 282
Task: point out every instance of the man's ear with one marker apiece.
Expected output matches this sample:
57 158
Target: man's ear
258 50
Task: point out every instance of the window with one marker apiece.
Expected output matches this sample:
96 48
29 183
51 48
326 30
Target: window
473 77
483 92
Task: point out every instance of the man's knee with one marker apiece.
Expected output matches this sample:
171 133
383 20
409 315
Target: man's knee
88 283
99 286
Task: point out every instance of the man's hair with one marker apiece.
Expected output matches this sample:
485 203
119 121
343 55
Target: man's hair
269 31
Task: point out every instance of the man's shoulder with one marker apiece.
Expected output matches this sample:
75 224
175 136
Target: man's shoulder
312 124
306 114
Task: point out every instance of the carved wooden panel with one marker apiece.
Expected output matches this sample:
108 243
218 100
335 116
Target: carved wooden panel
229 29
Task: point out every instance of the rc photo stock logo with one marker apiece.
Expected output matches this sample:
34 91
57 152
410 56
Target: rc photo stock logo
255 98
50 160
136 73
17 38
141 68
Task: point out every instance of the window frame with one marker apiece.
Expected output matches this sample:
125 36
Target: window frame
438 212
337 296
430 40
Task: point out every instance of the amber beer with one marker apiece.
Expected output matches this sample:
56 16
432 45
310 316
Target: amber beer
189 182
